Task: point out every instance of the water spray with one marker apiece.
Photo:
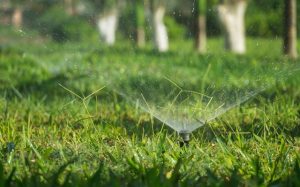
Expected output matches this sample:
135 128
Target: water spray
185 135
185 109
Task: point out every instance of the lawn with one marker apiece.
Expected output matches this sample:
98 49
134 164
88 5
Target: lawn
68 115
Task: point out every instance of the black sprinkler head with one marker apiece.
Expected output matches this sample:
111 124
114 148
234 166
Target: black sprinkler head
185 138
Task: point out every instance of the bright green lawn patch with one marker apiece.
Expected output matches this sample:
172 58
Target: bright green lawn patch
105 140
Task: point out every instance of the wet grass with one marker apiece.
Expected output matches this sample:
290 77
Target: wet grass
51 137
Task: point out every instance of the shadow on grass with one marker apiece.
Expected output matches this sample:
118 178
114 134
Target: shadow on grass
137 174
49 87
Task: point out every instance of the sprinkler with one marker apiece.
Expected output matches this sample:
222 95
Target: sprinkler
185 135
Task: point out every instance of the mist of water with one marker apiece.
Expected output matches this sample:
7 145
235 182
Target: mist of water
186 106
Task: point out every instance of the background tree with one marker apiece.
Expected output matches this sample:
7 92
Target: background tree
160 34
200 15
70 6
106 13
17 16
290 28
5 17
140 22
231 15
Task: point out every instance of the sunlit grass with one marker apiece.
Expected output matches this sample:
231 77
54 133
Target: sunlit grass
78 135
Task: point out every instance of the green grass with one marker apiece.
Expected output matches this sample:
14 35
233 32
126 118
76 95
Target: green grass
50 137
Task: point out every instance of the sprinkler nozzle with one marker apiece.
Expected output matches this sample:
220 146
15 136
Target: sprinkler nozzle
185 138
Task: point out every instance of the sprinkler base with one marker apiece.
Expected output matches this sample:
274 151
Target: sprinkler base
185 139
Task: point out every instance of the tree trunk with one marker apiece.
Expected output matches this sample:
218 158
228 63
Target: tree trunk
161 39
17 18
70 7
5 15
290 28
140 22
200 25
107 25
5 5
231 15
140 37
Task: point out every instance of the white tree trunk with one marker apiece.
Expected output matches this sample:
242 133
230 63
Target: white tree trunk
17 18
161 39
201 34
107 25
232 16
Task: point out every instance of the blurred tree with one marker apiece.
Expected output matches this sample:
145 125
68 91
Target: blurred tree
107 19
231 14
290 28
5 12
17 16
140 22
160 33
70 6
200 15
